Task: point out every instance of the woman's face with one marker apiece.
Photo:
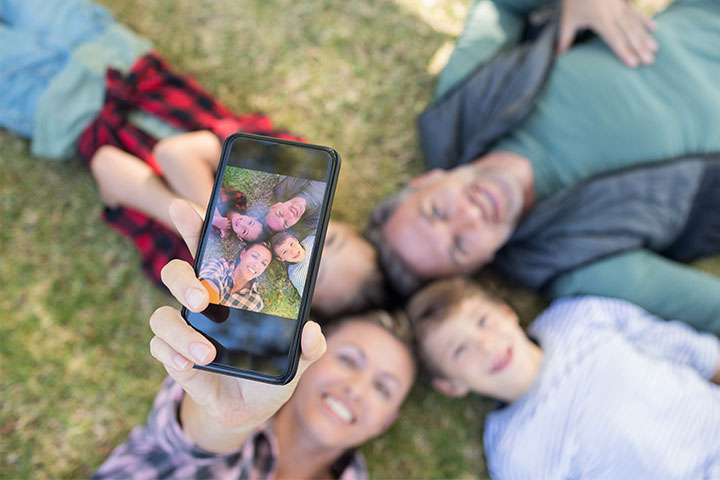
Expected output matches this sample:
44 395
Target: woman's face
348 260
245 226
354 392
253 261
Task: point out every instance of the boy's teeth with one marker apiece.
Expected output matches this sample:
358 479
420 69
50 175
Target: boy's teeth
339 409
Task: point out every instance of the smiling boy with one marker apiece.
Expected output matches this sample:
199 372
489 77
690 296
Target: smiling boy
287 248
607 391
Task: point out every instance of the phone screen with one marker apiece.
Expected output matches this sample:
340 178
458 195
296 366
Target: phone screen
259 252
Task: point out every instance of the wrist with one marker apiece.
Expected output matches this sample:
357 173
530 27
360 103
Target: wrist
208 433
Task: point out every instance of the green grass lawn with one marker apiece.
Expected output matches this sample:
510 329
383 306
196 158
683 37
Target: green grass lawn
76 372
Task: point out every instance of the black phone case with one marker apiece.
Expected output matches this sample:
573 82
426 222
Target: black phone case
294 352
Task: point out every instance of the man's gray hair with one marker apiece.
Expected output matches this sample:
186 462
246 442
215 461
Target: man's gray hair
400 275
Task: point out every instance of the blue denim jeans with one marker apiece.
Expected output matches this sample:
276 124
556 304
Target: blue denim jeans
36 39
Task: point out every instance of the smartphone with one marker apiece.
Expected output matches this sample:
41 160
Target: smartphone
259 253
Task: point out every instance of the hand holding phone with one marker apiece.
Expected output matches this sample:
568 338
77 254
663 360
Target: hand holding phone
219 411
276 195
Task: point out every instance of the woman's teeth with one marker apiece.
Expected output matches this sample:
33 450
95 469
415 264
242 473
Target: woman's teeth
339 409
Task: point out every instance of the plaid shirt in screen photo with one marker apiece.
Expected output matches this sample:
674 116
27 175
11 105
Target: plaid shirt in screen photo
220 272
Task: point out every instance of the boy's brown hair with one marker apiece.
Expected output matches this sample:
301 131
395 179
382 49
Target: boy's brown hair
434 304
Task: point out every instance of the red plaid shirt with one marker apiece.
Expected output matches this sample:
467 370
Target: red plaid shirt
160 449
151 86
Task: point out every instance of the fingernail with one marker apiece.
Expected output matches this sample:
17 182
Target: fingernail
194 297
200 352
180 361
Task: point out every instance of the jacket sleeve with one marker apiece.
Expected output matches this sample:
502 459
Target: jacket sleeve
665 288
491 27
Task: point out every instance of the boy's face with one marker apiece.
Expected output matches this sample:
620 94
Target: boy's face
481 348
290 251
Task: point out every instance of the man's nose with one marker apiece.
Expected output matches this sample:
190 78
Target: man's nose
463 218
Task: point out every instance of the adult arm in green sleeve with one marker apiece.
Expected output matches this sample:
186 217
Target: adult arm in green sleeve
661 286
491 26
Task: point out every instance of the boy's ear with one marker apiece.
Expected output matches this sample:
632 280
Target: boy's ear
451 388
427 177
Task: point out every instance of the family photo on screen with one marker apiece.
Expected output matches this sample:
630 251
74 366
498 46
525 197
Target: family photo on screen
261 240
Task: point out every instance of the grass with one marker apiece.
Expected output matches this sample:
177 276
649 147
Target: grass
75 369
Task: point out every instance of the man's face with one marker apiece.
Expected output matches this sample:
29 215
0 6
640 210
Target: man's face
290 250
253 261
246 227
481 348
455 221
283 215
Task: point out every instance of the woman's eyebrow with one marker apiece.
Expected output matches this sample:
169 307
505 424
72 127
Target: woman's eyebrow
360 351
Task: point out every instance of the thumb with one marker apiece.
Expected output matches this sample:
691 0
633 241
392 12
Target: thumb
313 346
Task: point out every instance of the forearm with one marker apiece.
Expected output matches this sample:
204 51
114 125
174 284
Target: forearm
665 288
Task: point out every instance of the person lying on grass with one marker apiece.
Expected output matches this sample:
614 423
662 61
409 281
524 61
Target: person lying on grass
296 254
347 391
606 187
598 388
149 134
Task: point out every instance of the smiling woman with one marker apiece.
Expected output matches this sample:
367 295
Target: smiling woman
349 395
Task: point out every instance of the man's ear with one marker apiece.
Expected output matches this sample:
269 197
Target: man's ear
451 388
427 178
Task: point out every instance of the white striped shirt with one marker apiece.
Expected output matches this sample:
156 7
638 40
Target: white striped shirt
297 272
620 394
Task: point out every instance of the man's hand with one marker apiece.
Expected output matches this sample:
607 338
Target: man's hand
624 29
218 411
